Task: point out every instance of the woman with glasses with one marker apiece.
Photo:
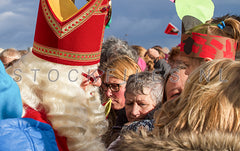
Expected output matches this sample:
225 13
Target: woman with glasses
114 79
143 95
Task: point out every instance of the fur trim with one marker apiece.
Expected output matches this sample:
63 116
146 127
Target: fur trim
209 141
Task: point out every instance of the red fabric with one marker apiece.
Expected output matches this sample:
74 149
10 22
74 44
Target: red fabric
199 40
195 48
217 44
207 46
41 117
208 52
228 53
86 38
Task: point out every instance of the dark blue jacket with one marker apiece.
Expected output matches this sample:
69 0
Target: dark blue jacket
25 134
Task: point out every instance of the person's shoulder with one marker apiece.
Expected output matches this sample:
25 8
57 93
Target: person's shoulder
31 134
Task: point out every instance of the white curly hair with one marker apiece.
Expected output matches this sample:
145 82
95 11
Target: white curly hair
73 112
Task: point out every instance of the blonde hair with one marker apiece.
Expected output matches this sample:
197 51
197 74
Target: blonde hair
121 68
74 113
206 104
149 62
141 51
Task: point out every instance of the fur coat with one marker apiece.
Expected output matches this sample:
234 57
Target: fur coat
209 141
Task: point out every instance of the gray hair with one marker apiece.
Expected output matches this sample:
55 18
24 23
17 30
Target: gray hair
113 47
137 82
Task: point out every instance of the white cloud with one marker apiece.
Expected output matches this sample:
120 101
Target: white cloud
7 15
11 20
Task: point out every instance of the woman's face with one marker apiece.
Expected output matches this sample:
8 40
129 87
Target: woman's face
175 84
138 106
111 86
190 64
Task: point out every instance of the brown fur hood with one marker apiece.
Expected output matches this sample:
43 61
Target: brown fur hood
209 141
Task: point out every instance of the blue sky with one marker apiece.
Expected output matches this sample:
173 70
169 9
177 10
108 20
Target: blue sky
140 22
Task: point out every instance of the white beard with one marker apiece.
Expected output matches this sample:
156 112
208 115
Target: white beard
74 113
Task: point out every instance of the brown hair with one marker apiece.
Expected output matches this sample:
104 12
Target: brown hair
175 51
232 29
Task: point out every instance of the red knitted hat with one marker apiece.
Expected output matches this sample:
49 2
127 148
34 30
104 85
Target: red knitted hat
70 36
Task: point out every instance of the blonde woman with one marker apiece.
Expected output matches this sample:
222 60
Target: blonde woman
210 101
113 86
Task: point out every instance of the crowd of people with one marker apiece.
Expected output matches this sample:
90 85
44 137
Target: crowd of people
127 97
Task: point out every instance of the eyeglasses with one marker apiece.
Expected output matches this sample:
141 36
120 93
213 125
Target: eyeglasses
114 87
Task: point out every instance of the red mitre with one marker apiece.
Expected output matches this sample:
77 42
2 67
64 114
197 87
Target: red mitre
69 36
207 46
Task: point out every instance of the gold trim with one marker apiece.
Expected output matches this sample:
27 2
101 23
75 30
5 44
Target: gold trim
62 31
66 55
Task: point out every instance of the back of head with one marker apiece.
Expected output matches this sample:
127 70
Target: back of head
211 40
217 20
141 51
149 63
113 47
9 55
210 100
231 29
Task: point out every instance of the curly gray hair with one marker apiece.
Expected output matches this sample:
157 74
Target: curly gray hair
137 82
113 47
